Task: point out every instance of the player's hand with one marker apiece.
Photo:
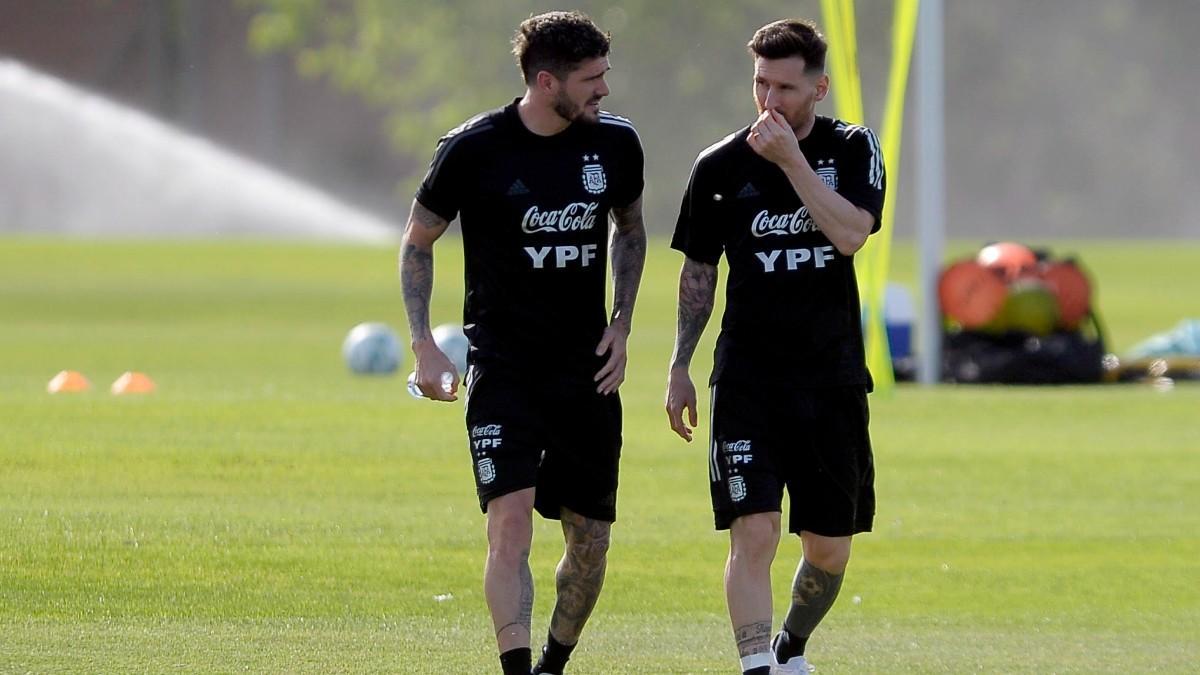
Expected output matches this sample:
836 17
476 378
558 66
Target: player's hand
681 395
773 139
612 374
431 363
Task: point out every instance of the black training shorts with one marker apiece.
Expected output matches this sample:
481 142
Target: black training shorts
554 433
813 441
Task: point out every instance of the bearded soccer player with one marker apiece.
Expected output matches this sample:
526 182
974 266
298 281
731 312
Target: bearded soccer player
534 185
787 200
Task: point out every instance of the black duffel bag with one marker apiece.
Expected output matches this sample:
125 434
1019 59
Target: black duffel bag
1061 357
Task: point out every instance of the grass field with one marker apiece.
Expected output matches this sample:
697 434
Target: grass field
265 511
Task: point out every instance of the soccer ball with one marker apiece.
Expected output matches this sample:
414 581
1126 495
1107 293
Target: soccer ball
449 338
971 294
1029 308
1072 290
1010 259
371 349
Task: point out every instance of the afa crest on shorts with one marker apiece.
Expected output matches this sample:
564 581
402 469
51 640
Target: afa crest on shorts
737 488
487 471
594 180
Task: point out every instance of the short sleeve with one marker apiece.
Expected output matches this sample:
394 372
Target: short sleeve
633 180
862 179
696 230
441 189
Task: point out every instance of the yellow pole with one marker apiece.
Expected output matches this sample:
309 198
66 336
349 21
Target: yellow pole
880 251
873 261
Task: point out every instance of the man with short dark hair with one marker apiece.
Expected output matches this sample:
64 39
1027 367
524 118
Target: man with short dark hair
534 184
788 201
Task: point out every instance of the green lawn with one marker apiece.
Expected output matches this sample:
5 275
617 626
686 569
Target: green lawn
265 511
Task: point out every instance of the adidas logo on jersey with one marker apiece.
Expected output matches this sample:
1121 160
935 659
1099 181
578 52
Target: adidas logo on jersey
517 189
748 190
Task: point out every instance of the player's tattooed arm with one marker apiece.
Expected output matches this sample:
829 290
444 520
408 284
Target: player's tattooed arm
628 251
416 282
416 266
580 574
697 293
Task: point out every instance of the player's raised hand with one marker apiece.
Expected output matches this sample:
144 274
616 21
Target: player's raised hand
431 364
773 139
612 374
681 395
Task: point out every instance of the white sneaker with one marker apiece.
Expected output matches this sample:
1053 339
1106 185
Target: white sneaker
797 665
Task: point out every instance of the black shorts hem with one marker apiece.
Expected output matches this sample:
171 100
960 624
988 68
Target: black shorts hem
822 531
549 508
723 520
499 492
553 511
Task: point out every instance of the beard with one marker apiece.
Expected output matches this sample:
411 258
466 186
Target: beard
565 108
797 118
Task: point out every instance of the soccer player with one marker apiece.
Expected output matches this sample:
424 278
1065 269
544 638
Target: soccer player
787 200
534 184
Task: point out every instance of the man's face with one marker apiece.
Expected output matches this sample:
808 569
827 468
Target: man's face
578 96
783 86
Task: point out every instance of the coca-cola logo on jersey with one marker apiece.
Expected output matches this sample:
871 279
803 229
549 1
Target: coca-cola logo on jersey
572 217
766 223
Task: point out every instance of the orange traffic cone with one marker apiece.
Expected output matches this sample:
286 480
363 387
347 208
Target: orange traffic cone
68 381
133 383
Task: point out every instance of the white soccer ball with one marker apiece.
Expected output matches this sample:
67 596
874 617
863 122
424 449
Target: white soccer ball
371 349
449 338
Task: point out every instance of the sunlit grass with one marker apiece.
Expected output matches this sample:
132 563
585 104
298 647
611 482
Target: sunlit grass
266 511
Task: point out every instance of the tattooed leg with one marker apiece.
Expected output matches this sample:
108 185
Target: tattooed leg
507 579
752 543
813 593
814 590
580 574
752 638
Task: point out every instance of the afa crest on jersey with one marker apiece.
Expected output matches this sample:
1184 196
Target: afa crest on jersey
828 173
594 180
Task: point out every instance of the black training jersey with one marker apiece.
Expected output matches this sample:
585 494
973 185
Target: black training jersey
534 217
792 311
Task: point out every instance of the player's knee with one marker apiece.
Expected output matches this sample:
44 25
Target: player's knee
591 549
754 538
509 536
830 555
586 538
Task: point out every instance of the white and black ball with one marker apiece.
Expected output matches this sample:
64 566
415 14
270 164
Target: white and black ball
449 338
372 349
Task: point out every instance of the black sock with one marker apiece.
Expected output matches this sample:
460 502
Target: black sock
554 656
788 644
761 670
516 661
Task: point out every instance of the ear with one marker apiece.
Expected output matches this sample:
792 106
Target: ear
822 87
546 82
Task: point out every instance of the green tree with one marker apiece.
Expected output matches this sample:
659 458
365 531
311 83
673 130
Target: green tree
680 70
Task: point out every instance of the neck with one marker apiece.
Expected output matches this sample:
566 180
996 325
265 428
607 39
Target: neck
539 117
805 128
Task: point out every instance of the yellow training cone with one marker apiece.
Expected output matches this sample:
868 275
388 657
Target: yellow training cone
68 381
133 383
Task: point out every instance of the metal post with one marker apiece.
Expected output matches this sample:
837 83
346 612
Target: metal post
931 183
